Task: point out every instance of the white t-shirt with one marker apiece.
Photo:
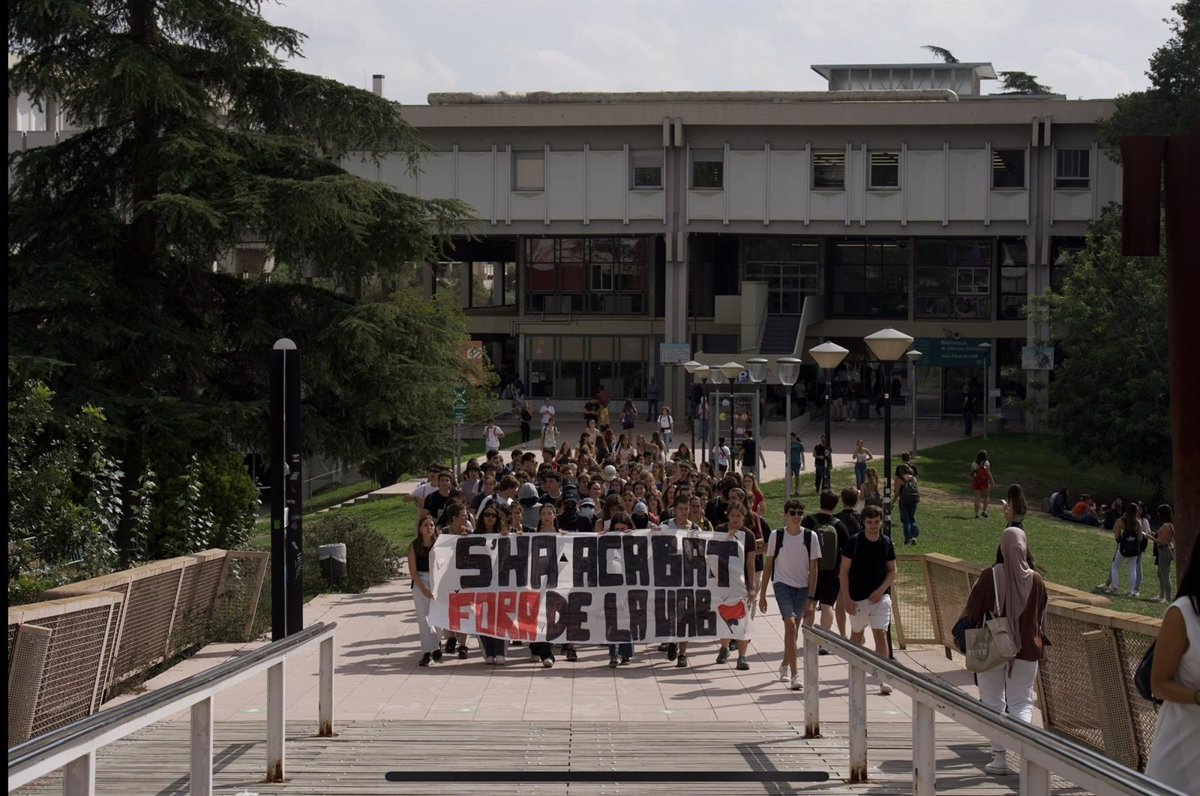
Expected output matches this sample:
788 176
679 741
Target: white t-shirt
547 412
792 563
721 454
423 491
491 437
664 422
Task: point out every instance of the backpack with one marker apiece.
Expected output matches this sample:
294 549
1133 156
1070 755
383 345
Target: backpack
827 536
1130 546
910 492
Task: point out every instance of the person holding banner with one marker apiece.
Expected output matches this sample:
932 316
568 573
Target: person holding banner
620 654
792 558
736 528
418 568
492 521
455 515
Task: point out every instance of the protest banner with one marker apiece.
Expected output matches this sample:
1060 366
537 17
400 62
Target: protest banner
641 586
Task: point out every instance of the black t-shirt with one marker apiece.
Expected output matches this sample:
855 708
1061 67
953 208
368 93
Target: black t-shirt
811 521
749 452
820 452
868 564
851 520
576 524
435 502
717 512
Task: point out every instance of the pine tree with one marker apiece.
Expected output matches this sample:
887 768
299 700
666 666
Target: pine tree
198 138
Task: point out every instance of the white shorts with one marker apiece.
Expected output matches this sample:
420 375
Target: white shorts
877 615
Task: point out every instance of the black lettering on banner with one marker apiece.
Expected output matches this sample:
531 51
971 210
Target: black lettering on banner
567 616
605 549
695 564
637 613
706 618
664 613
724 550
685 612
543 566
583 562
612 621
464 560
510 563
668 564
637 560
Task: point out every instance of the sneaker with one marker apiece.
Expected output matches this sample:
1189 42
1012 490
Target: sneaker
547 662
451 643
572 655
437 655
984 514
977 515
1112 590
822 651
783 673
490 660
998 766
500 660
612 662
625 660
1131 594
681 661
425 659
885 689
796 684
723 655
743 665
663 647
672 650
462 652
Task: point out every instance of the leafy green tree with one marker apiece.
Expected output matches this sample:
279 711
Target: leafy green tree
941 52
1022 83
1172 103
198 139
1110 397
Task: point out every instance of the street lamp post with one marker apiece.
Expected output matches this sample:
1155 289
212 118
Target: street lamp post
828 356
731 371
913 357
756 368
888 345
986 348
690 366
789 371
700 373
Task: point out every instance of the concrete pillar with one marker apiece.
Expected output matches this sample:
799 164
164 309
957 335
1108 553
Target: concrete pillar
377 85
51 115
13 112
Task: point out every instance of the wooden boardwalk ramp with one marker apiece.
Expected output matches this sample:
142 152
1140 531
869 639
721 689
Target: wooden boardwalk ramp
357 760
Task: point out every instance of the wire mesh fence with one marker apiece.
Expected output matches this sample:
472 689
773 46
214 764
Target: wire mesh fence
111 629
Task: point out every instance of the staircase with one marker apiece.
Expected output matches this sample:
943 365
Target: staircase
779 335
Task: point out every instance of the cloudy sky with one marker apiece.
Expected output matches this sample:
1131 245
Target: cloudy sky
1081 48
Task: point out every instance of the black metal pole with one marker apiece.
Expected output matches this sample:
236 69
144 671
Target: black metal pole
278 467
887 449
827 478
294 538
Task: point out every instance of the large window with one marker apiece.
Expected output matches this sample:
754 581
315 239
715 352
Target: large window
1014 279
953 278
447 277
1062 252
708 169
1072 168
570 366
647 166
884 171
493 284
605 276
789 266
1008 168
529 171
829 170
870 277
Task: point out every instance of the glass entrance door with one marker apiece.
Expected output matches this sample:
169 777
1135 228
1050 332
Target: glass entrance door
953 381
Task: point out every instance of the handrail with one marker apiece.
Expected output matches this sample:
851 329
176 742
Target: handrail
1041 751
66 745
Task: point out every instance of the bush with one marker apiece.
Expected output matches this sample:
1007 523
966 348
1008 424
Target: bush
369 554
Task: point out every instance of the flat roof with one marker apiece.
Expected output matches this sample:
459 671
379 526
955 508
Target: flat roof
622 97
983 69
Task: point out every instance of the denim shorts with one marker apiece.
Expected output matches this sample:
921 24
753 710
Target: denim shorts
792 601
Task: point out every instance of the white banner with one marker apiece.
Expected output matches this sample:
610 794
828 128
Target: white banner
583 588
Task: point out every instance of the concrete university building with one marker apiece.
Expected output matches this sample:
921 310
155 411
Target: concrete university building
746 224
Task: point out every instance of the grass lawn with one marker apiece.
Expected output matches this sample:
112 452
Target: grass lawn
1070 554
323 499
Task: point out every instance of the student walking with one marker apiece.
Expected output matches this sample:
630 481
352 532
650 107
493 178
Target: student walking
981 482
908 497
1012 590
418 567
793 561
861 456
1164 552
834 532
492 434
665 424
822 461
868 571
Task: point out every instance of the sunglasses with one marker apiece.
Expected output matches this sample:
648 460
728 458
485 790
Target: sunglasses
795 512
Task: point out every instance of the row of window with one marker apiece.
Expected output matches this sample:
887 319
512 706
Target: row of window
1072 170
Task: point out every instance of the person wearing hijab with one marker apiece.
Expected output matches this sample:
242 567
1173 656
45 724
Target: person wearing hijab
1018 589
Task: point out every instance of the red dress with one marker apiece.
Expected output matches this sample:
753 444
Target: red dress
980 479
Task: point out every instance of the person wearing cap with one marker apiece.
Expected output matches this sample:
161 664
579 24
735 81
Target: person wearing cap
587 510
569 518
527 497
641 515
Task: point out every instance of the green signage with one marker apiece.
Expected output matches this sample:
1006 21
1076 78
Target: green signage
950 353
459 404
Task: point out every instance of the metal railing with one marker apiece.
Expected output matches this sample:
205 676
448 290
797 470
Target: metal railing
1041 752
74 747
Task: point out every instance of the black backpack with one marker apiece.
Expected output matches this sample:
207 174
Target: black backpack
828 560
1130 545
910 491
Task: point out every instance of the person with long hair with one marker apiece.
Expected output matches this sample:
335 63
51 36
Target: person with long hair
1019 591
1015 507
492 520
1175 679
872 493
682 454
981 482
1164 552
1128 533
550 435
418 568
666 424
547 523
755 496
620 654
736 529
862 454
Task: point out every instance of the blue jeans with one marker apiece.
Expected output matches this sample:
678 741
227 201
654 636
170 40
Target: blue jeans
860 473
624 649
792 601
908 519
967 418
